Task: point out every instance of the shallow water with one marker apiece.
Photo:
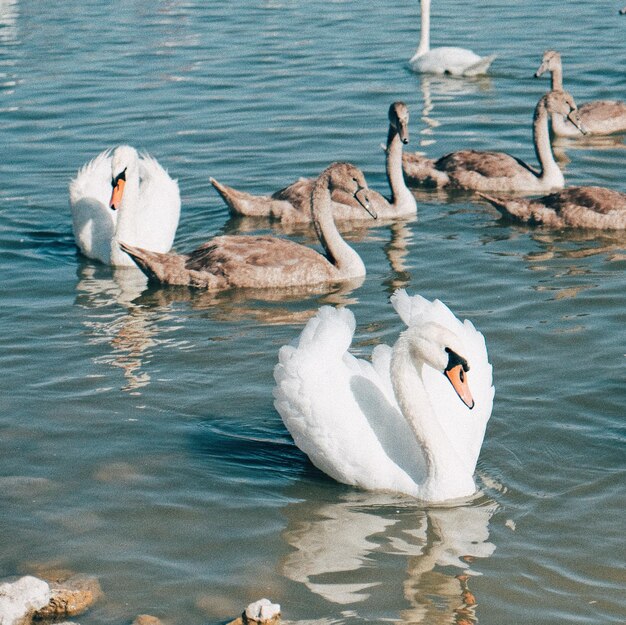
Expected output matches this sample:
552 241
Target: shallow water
139 442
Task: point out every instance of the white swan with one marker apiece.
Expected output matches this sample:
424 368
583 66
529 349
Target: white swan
406 422
445 60
122 196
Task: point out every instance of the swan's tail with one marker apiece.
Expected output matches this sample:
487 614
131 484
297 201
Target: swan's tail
513 208
163 268
242 203
480 67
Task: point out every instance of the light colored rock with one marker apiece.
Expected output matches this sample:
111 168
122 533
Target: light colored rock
262 611
20 599
71 597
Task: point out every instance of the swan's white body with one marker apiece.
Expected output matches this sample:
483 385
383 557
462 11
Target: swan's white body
395 424
147 215
445 60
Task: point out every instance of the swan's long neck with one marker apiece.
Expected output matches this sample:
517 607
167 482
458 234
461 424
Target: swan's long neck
401 198
338 252
424 45
556 77
550 171
447 477
127 225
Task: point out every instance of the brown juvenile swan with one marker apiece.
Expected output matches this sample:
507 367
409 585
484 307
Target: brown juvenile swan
291 204
264 261
600 117
577 207
498 171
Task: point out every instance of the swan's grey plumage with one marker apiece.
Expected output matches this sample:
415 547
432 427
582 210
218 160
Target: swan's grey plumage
291 204
498 171
265 261
575 207
600 117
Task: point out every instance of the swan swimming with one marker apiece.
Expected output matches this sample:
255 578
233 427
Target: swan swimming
599 117
407 422
480 170
575 207
122 196
445 60
292 203
236 261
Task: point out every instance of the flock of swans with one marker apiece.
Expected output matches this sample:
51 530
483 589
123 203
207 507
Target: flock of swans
413 419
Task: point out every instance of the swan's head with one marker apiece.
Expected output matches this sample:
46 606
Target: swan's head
399 120
437 346
350 179
124 161
562 102
550 62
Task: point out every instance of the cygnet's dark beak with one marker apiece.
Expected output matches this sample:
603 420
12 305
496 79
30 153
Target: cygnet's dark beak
574 117
363 199
404 133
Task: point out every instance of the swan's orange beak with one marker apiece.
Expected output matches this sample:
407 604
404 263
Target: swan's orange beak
117 193
457 376
456 372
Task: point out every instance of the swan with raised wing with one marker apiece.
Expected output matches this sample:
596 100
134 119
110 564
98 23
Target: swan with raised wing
407 421
292 205
574 207
123 196
445 60
242 261
497 171
600 117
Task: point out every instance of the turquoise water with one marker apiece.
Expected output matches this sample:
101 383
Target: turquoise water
139 442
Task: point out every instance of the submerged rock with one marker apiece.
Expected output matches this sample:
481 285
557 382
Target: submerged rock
70 597
20 599
147 619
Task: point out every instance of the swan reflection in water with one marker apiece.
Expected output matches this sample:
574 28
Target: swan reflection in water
132 317
342 551
268 306
114 319
440 88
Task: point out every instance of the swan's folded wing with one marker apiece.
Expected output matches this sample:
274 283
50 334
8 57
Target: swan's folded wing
338 411
93 181
159 205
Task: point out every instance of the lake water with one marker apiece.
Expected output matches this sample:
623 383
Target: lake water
139 442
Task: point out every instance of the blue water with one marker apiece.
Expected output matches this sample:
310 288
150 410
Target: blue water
139 442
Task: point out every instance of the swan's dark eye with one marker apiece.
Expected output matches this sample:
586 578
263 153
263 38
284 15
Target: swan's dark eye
120 176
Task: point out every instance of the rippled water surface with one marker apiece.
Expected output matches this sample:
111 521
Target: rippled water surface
139 442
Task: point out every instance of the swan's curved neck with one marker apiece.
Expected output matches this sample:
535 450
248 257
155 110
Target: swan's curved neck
338 252
401 198
424 45
127 224
446 475
550 171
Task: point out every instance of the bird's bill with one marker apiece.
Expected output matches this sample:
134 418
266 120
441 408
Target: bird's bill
117 193
457 376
